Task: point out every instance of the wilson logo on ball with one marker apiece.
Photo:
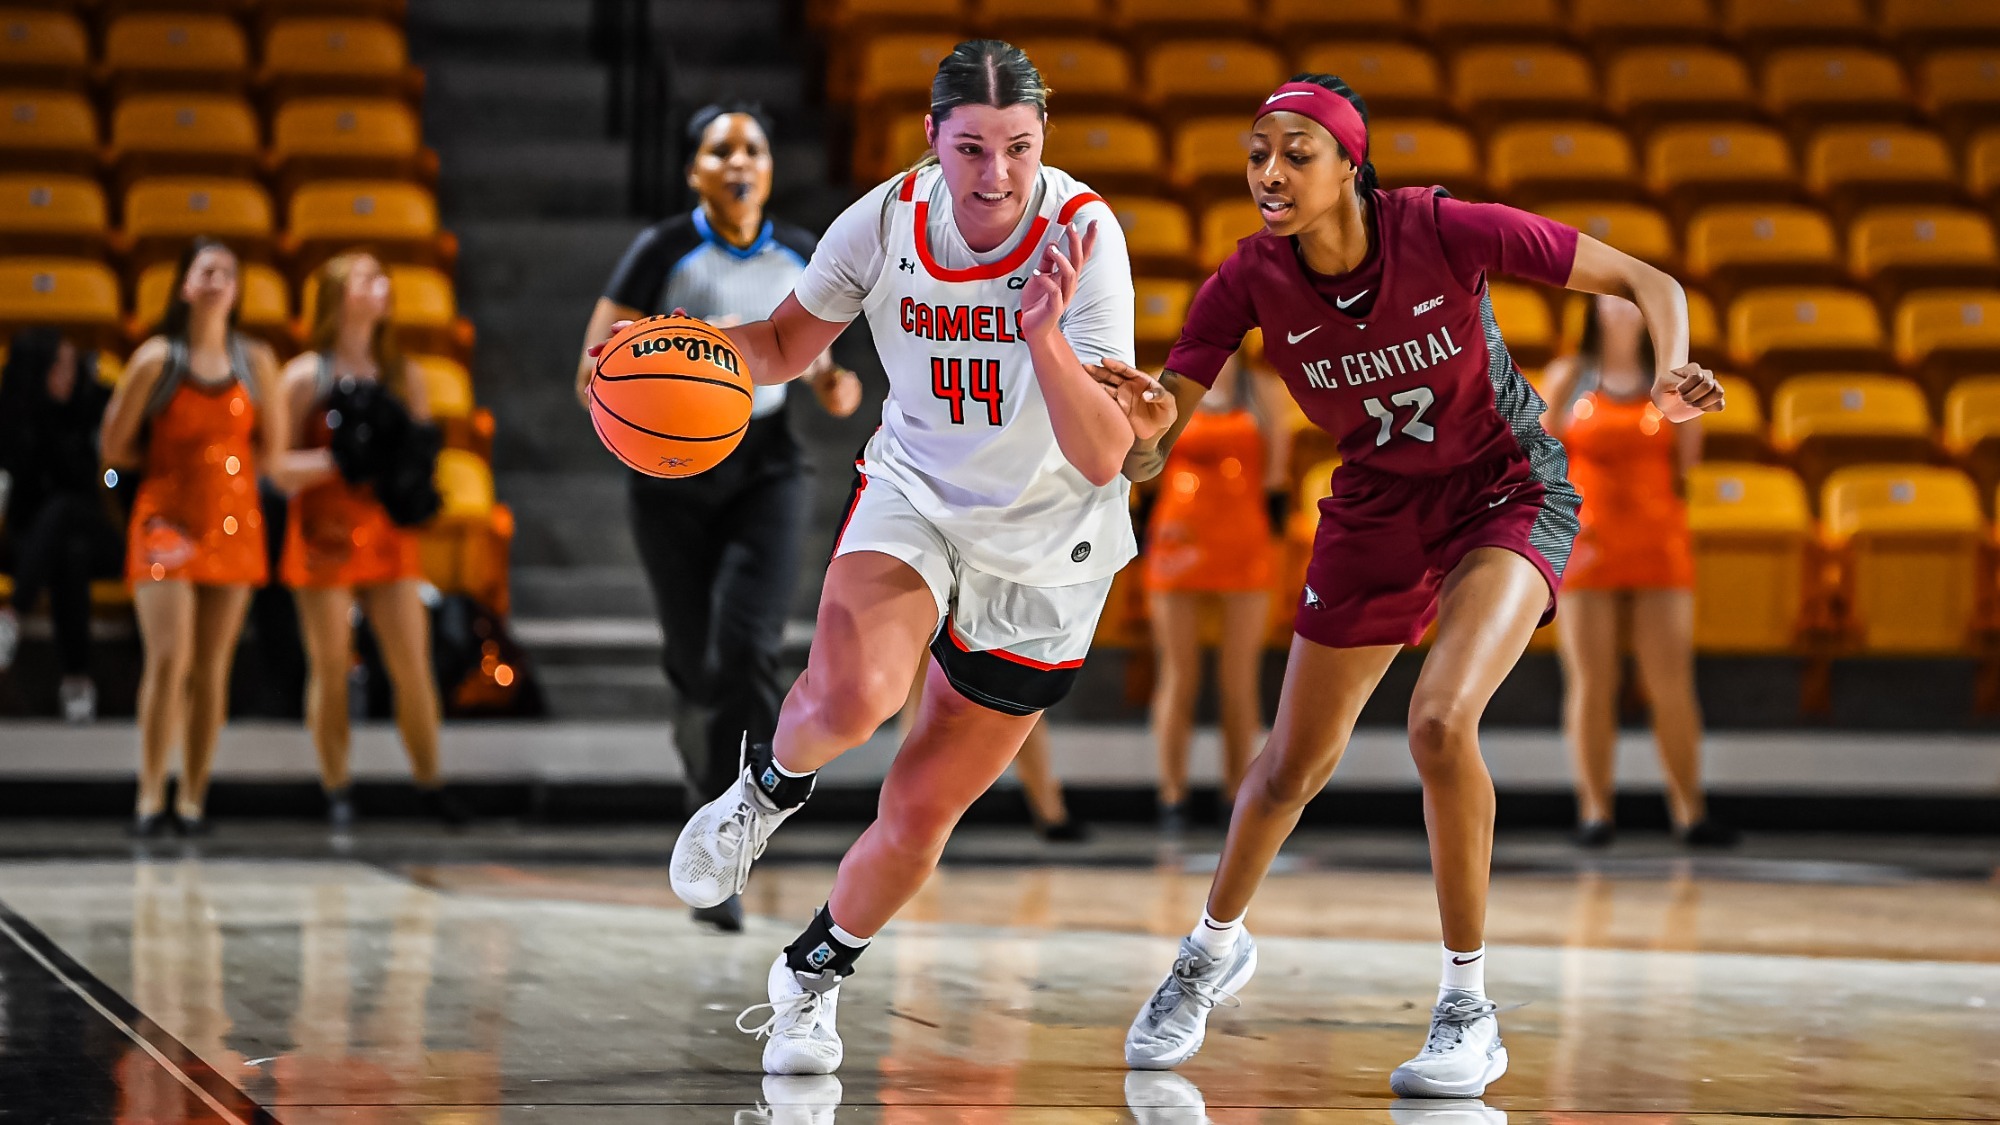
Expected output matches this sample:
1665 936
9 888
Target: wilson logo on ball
671 396
696 348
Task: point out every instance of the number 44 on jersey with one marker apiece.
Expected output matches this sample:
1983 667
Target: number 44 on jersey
955 380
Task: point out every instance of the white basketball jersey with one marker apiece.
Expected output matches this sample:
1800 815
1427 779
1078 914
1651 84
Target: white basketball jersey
965 431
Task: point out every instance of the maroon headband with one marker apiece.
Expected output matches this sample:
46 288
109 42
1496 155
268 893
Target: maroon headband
1336 113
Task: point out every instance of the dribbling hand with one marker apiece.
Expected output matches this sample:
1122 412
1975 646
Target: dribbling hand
1049 291
1687 392
1147 405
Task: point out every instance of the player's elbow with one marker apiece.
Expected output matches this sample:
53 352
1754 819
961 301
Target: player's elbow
1100 469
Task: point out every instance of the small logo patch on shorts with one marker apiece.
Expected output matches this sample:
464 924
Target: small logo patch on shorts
1080 552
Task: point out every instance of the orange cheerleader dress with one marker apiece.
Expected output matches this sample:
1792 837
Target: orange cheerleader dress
1635 524
196 517
338 534
1211 532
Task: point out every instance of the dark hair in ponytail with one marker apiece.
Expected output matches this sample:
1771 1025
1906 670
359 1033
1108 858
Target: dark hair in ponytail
986 72
1365 181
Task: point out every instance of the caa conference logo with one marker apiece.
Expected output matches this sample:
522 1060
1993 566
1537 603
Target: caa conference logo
820 955
700 349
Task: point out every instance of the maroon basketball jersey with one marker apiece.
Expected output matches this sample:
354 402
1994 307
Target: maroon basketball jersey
1419 386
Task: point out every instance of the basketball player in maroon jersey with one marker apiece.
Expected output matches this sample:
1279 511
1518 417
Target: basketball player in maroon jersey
1451 504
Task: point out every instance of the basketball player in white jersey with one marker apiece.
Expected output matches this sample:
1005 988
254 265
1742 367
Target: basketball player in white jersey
988 514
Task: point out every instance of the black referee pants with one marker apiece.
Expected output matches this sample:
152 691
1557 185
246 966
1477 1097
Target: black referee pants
721 552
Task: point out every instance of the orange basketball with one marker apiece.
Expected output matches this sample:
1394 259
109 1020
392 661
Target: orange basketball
671 396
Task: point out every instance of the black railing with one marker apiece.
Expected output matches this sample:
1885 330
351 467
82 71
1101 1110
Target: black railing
639 108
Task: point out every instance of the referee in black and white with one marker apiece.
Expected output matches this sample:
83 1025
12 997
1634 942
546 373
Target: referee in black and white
721 549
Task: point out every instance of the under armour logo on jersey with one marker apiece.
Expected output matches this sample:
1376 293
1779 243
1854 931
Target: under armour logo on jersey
1427 306
907 266
1312 599
1080 553
821 954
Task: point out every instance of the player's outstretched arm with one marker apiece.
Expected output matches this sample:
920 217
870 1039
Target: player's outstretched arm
1124 382
777 350
1681 389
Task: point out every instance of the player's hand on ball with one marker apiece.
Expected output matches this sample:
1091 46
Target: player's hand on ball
1048 292
617 326
1146 403
1686 392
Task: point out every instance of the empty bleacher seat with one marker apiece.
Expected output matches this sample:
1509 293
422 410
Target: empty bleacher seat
448 394
190 134
1752 531
1908 539
1810 86
162 213
397 220
886 144
175 51
1525 321
1223 225
1151 20
1945 332
464 549
1794 328
1418 153
1916 24
1762 24
896 70
1541 161
336 56
1823 422
52 214
1106 151
47 131
1158 234
1735 433
1510 82
1087 74
1647 86
1972 429
1635 228
1850 166
78 293
1705 339
1210 154
1982 166
1734 245
264 302
1010 19
1394 77
1460 21
40 48
1896 249
1961 88
1160 310
1696 164
329 137
1211 75
1604 23
423 309
1286 20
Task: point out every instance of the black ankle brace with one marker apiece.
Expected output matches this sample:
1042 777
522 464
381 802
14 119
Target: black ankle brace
816 950
781 789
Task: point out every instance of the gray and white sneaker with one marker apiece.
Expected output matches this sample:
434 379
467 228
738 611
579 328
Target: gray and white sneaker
1170 1028
1161 1098
795 1099
1462 1055
800 1034
1444 1111
712 857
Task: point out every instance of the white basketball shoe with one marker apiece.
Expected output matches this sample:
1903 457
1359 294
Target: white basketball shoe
1170 1028
799 1034
1162 1098
795 1099
712 857
1462 1055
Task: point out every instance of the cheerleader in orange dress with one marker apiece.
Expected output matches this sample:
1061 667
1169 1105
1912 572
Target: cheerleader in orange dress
1211 541
341 547
194 412
1632 561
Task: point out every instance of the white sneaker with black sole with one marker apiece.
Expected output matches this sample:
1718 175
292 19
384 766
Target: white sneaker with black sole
1462 1055
713 855
1170 1028
799 1035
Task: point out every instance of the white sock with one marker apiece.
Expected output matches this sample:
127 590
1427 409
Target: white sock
1464 972
788 773
845 938
1216 939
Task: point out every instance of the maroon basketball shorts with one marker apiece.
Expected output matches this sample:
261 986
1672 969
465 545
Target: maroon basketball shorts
1385 544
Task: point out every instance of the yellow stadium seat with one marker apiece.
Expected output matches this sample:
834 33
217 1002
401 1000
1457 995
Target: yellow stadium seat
328 137
1210 155
1395 78
52 214
1961 88
1211 75
1752 533
1734 245
1860 165
264 308
271 10
1542 161
1896 249
163 213
1009 19
175 51
887 144
1416 153
336 56
75 293
1810 86
1160 310
1516 81
1704 329
1223 225
1150 20
1158 234
1690 165
1908 538
1735 433
1525 321
1912 24
1943 332
465 548
1794 328
1972 429
466 485
1760 24
1458 21
423 308
1106 151
47 131
1647 86
1635 228
896 70
448 394
44 49
849 17
396 220
1824 422
184 134
1286 20
1087 74
1606 22
1982 165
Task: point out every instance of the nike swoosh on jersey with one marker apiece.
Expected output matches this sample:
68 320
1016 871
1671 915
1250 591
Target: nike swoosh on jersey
1343 302
1292 339
1503 499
